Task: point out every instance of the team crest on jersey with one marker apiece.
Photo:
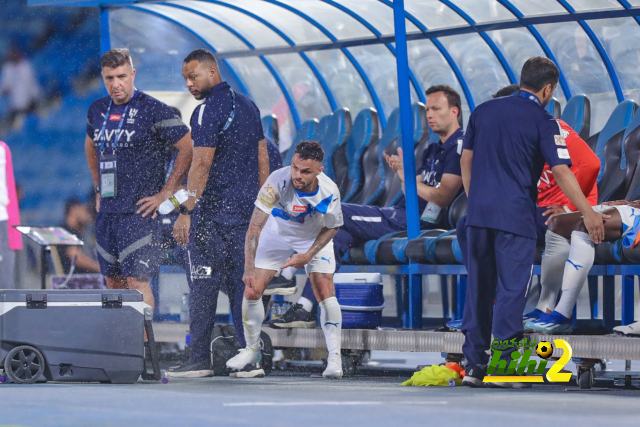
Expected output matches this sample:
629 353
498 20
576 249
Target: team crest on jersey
115 117
297 208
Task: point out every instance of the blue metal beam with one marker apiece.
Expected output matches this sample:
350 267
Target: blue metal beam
628 6
600 48
363 75
445 54
316 71
406 123
503 61
374 30
276 76
541 41
213 49
431 34
105 35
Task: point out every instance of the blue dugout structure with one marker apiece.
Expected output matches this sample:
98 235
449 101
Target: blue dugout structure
303 59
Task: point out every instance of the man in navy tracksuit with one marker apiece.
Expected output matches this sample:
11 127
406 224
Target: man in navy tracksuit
230 163
439 182
507 142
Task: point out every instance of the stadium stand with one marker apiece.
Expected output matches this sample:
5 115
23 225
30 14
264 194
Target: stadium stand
62 45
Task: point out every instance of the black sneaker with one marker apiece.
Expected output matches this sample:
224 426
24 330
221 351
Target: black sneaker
191 370
281 286
295 317
474 377
249 371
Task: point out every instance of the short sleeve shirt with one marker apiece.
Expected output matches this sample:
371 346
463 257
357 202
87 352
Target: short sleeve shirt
233 178
300 215
511 139
438 159
148 128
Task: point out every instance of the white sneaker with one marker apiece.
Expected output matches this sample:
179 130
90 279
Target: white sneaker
632 329
246 356
334 369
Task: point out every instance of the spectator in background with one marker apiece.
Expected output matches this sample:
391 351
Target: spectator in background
77 221
19 82
10 238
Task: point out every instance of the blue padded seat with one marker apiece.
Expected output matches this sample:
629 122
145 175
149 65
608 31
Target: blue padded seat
554 108
577 114
332 133
621 153
390 187
363 132
618 121
270 128
303 134
422 249
371 162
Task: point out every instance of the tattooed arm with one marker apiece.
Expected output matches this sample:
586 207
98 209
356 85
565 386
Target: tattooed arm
300 260
258 220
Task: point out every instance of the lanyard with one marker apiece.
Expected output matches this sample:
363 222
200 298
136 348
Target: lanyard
528 95
232 114
104 125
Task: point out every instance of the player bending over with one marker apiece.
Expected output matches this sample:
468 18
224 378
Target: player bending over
297 214
570 254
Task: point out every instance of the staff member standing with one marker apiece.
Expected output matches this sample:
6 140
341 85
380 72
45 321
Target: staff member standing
127 132
230 163
507 142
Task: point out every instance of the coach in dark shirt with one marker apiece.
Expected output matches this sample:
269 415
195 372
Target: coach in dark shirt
230 163
507 142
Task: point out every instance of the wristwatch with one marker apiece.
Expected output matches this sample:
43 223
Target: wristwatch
184 210
97 189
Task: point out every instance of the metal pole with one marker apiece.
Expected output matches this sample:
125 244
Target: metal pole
406 122
105 38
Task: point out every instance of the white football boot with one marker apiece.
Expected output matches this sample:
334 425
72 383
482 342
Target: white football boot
334 368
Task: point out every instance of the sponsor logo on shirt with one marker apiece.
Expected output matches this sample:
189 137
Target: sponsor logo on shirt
115 117
297 208
563 153
560 140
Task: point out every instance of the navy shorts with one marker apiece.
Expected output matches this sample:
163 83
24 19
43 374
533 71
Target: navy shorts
128 245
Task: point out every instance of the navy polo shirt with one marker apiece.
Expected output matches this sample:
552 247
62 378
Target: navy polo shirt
511 139
438 159
233 179
148 128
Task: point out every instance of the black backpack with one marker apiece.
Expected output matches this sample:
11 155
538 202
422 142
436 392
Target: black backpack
224 345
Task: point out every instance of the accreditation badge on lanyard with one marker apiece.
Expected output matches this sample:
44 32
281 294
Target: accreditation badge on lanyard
108 162
432 212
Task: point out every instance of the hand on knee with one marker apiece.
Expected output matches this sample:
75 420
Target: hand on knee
251 293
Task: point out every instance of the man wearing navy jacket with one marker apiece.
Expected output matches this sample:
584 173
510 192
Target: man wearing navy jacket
507 142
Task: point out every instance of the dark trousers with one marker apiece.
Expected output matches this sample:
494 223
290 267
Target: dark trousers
361 224
500 265
215 261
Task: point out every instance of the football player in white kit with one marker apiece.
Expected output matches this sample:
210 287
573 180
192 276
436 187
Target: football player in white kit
297 214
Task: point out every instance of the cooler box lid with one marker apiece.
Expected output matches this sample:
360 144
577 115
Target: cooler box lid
357 278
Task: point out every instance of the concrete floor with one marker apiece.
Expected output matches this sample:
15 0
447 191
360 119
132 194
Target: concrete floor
301 400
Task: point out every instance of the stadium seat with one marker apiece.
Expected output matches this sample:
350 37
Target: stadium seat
303 134
554 108
577 114
363 132
618 121
392 192
332 133
270 128
621 156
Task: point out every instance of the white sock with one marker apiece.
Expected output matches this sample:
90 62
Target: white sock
575 271
556 253
252 317
289 273
331 321
306 304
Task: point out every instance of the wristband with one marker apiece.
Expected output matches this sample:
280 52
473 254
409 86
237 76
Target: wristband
97 188
184 210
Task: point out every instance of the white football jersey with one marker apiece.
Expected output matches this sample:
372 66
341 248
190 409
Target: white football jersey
296 214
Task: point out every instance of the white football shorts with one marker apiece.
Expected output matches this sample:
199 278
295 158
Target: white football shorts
274 250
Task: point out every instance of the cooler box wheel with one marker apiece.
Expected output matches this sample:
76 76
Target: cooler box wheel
24 364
